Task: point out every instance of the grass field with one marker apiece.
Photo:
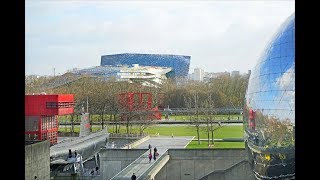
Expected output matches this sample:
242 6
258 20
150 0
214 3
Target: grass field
204 144
96 118
223 132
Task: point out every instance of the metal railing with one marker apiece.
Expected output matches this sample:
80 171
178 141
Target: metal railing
216 110
171 121
134 135
128 168
156 163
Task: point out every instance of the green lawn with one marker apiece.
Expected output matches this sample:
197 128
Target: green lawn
204 144
96 118
223 132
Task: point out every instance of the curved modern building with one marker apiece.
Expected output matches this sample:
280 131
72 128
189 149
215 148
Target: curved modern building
178 63
269 112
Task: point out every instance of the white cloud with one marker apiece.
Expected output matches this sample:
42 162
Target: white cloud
286 96
285 81
218 35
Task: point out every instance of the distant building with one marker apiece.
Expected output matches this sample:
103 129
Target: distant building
190 76
209 76
198 74
235 73
218 74
148 69
146 75
178 63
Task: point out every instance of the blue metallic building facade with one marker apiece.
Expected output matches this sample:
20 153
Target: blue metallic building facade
179 63
269 112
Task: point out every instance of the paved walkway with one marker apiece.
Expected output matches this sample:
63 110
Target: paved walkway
142 164
166 142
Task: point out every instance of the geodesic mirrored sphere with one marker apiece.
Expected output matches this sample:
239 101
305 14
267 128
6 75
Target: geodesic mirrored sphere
269 112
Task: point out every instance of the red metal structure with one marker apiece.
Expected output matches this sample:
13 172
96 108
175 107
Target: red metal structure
252 121
41 115
138 101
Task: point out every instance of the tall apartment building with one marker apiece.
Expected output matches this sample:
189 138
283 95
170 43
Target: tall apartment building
198 74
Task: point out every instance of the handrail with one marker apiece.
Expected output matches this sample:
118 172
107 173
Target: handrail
123 170
158 160
119 135
130 145
159 122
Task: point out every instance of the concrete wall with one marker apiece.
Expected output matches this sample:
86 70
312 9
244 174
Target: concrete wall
155 170
112 161
37 161
190 164
239 171
136 143
186 164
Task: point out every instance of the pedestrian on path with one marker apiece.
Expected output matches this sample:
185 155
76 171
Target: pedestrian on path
133 177
154 156
70 154
150 157
155 152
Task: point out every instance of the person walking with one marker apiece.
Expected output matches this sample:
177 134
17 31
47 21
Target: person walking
150 148
154 156
97 170
133 177
155 153
70 154
150 157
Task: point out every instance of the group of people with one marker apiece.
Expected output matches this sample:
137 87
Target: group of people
155 153
70 154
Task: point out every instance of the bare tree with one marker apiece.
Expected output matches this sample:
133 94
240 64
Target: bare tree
144 120
192 103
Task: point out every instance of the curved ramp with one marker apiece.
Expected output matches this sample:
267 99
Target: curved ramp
145 169
142 167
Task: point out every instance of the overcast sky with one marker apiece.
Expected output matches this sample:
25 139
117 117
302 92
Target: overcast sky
218 35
